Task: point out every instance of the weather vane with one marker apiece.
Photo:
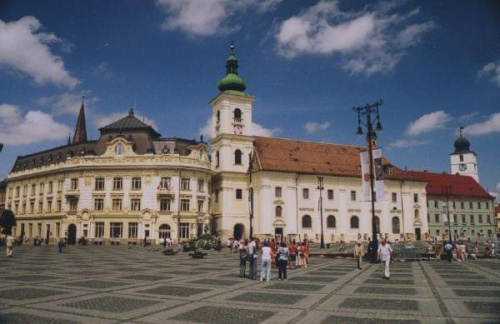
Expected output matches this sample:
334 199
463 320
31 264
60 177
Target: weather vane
231 46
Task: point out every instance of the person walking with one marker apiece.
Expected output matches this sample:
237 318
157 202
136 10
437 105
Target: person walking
282 261
252 249
358 253
299 255
384 254
60 245
448 248
265 268
9 243
243 258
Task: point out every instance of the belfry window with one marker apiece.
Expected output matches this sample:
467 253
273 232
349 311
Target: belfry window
237 115
461 158
218 116
237 157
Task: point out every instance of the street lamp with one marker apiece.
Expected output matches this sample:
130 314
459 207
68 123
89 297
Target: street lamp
447 192
371 135
250 194
320 187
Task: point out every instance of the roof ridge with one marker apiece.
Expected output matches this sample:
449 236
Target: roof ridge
312 142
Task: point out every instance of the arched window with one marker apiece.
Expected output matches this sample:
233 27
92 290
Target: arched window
354 222
461 158
217 158
218 116
164 231
306 221
377 224
331 222
395 225
417 214
279 209
237 157
237 114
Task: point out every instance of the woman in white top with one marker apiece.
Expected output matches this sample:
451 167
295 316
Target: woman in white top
265 268
282 260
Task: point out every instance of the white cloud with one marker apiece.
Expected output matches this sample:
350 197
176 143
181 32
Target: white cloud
498 186
467 117
372 40
206 18
314 127
403 143
491 71
492 125
257 130
68 103
428 122
34 127
102 71
24 48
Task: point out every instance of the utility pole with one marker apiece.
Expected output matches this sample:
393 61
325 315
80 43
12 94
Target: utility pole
250 193
447 191
320 187
371 135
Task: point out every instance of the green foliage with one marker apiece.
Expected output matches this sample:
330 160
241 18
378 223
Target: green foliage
7 221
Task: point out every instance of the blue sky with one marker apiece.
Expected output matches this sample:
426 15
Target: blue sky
436 65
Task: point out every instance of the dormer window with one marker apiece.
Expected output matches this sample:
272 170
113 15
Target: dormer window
119 149
201 155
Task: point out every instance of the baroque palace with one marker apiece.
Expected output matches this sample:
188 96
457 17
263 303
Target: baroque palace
133 184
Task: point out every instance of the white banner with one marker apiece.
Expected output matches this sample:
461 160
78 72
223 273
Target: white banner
365 176
445 218
379 174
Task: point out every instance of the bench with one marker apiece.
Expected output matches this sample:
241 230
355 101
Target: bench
197 255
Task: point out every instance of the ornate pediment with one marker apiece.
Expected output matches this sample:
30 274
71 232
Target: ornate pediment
279 202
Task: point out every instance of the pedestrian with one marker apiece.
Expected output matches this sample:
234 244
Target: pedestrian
298 255
306 253
252 249
243 258
282 261
358 253
492 248
448 248
293 254
60 245
9 243
464 250
458 252
384 254
265 268
272 245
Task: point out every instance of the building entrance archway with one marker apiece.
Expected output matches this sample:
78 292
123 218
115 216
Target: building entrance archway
72 234
239 230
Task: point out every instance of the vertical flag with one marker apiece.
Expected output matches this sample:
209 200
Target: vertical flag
365 175
445 212
379 174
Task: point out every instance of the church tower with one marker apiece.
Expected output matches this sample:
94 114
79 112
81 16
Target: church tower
232 145
463 160
81 128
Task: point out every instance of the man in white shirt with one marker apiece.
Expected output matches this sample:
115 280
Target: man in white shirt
252 248
384 254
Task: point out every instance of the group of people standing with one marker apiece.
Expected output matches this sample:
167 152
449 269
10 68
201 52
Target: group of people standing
282 255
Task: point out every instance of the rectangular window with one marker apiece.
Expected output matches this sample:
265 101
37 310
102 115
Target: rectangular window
40 207
462 205
353 195
99 184
277 192
23 211
50 188
164 204
305 193
184 230
487 205
478 205
394 197
116 204
463 219
488 219
99 204
59 206
185 184
18 191
136 183
201 185
428 218
74 184
117 184
454 207
330 194
472 219
42 188
436 204
58 229
135 204
436 218
49 205
99 229
60 184
415 198
470 205
73 205
200 206
133 229
455 219
185 205
25 190
239 194
165 183
480 219
115 230
33 189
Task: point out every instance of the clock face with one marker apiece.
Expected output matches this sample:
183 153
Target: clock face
462 167
238 130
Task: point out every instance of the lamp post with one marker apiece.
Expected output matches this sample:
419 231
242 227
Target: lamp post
371 135
447 192
320 187
250 194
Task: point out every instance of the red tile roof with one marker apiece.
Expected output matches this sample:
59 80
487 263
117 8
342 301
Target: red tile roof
285 155
461 186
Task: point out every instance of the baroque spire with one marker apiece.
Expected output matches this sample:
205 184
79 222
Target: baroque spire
81 128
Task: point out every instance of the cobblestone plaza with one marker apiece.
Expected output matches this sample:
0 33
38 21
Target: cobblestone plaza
114 284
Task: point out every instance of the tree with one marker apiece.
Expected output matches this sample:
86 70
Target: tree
7 221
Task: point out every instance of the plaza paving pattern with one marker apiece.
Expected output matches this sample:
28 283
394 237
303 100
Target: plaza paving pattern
116 284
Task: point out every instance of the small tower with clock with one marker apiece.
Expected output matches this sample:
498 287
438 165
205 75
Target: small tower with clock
463 160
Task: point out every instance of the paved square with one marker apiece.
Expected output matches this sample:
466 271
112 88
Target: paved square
112 284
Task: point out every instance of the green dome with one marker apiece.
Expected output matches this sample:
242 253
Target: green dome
462 145
231 81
